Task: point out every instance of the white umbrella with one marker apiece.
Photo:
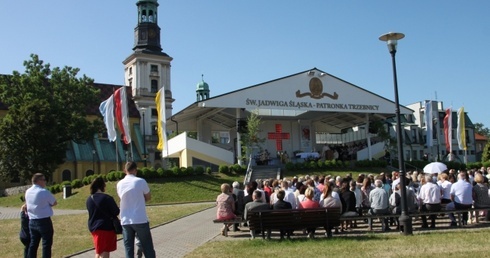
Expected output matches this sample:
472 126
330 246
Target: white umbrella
435 167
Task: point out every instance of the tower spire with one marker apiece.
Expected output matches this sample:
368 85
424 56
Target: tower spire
147 32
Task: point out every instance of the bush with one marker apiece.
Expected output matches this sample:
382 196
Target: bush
313 164
77 183
175 171
199 170
290 166
66 183
86 181
236 168
208 170
189 171
224 169
160 172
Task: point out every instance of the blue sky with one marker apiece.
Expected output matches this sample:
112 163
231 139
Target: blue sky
236 44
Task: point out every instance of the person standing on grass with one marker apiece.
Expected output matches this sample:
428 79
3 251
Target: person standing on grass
101 209
40 204
134 193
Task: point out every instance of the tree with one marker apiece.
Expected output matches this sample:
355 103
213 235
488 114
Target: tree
481 129
46 110
486 153
251 138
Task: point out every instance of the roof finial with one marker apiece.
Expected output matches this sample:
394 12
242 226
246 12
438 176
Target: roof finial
202 77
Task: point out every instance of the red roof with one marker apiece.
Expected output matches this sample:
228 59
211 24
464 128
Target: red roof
479 137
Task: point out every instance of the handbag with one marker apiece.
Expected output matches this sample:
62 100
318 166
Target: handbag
115 220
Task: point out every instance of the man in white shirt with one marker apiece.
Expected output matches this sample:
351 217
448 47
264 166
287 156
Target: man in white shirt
134 193
430 196
462 197
290 197
39 203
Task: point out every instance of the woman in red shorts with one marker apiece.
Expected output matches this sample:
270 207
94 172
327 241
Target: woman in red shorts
101 208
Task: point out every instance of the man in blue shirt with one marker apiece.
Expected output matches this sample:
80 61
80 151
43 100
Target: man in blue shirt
39 203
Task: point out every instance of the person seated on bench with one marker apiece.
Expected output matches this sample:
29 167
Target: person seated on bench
225 204
348 200
430 197
445 188
462 197
309 203
330 199
238 194
378 198
480 195
282 205
256 205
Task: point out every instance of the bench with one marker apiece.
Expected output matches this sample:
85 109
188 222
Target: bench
237 220
457 213
289 220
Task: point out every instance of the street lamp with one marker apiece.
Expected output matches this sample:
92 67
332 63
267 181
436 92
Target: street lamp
391 39
93 161
143 109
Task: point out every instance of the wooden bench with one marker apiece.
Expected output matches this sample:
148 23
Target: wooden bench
227 222
289 220
457 213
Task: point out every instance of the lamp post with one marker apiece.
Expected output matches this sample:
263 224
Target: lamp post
93 161
391 39
143 109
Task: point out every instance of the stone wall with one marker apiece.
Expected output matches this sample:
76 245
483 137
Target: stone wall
15 190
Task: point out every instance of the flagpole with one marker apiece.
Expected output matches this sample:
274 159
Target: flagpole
115 142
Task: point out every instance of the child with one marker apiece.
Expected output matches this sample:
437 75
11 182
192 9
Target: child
24 235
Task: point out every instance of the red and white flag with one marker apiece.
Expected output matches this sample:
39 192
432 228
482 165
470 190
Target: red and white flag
122 117
448 130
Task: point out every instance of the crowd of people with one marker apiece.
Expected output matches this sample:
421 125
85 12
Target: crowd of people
365 194
133 192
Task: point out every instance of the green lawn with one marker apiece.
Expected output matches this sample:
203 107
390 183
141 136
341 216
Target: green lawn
464 243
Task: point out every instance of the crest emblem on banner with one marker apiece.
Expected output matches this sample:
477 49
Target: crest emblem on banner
316 90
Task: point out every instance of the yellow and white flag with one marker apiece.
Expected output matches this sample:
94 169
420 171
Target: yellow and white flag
161 121
461 130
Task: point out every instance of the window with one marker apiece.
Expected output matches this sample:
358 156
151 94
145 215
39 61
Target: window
154 86
154 112
158 155
66 175
222 137
154 69
130 70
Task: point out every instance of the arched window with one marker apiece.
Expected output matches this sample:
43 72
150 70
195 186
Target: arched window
66 175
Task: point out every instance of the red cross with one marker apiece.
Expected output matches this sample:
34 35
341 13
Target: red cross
278 135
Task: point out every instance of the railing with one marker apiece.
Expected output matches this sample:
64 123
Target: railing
248 175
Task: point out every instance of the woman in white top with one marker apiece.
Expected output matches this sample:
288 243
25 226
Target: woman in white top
445 188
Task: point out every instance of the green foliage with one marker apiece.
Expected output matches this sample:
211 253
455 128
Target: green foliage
224 169
236 168
189 171
77 183
290 166
481 129
371 163
486 153
208 170
199 170
175 171
47 109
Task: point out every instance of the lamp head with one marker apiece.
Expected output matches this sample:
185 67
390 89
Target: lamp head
391 39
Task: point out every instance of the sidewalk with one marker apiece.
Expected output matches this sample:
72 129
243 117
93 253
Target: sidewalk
14 213
177 238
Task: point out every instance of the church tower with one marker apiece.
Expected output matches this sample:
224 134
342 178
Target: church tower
202 90
146 71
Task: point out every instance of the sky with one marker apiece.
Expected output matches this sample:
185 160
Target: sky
237 44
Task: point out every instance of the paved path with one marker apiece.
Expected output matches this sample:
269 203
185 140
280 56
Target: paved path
13 213
177 238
